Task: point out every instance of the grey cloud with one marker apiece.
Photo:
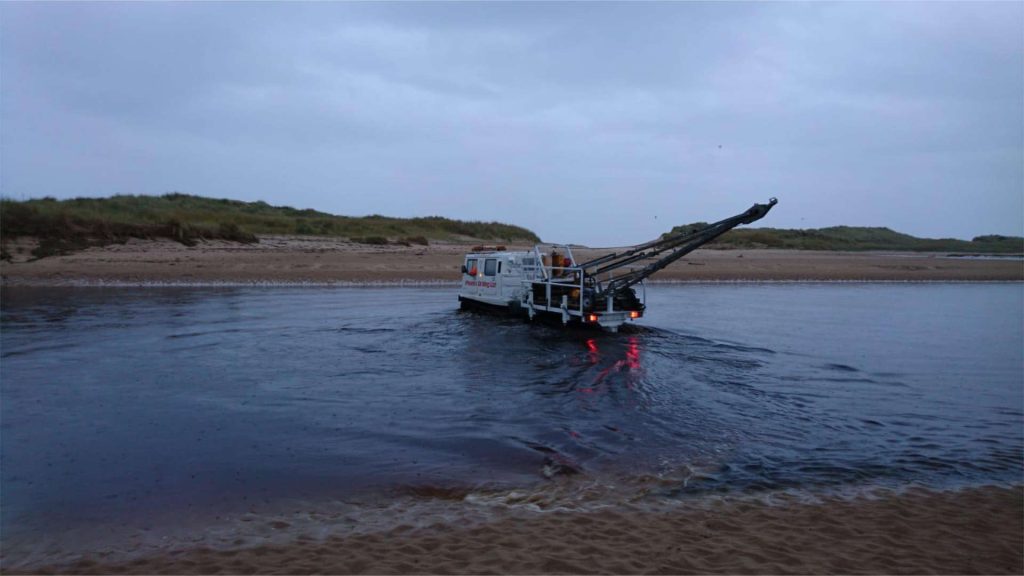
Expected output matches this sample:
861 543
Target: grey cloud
581 121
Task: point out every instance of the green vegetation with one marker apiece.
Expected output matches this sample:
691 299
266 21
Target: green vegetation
66 225
854 238
62 226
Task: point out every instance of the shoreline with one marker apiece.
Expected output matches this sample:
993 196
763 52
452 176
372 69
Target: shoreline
967 530
446 284
315 261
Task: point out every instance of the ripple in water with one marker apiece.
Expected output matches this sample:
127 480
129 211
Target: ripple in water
123 405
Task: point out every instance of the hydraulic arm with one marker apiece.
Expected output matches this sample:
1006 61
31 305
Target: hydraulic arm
670 248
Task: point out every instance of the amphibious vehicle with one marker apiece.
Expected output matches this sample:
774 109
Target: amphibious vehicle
549 282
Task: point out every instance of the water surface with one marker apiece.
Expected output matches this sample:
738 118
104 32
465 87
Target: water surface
124 405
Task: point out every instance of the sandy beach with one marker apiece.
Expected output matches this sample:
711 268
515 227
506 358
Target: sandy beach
300 259
972 531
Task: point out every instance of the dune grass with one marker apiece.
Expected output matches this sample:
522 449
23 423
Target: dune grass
66 225
62 226
855 239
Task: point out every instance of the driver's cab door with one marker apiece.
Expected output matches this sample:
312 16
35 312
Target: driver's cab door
490 276
471 277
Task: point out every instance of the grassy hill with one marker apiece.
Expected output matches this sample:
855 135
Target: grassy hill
65 225
855 238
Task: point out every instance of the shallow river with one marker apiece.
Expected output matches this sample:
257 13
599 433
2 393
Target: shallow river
123 405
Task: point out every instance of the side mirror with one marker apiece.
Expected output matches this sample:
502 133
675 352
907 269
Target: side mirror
464 271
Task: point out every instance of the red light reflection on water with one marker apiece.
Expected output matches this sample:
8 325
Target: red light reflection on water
633 354
629 363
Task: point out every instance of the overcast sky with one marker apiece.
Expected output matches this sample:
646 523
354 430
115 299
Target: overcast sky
598 123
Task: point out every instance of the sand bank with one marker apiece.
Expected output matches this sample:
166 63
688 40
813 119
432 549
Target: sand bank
283 259
972 531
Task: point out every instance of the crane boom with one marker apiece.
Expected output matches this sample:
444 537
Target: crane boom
676 246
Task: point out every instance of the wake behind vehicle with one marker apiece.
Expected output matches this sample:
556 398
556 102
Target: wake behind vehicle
548 281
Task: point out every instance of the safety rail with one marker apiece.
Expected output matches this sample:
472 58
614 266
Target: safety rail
563 287
573 290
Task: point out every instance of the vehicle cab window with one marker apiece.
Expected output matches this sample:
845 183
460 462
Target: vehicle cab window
471 266
490 267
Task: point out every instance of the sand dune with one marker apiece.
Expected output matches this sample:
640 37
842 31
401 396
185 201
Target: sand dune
973 531
292 259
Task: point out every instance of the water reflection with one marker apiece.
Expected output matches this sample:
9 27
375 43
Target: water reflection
118 400
619 358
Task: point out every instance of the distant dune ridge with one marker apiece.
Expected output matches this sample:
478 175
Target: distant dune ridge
855 238
182 239
65 226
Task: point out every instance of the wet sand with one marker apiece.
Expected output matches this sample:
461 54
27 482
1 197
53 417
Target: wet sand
972 531
284 259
